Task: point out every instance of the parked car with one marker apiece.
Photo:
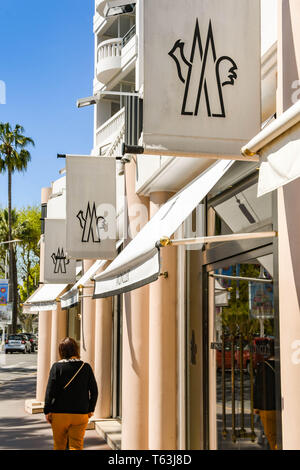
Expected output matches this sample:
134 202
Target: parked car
227 357
33 341
260 351
17 343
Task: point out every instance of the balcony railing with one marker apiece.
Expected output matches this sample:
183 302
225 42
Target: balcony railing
109 59
112 54
106 134
128 35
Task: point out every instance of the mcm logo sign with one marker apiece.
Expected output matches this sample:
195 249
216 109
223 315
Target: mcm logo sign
60 261
91 224
215 73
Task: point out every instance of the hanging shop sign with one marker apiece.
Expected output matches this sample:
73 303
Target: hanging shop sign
58 267
201 69
91 207
3 292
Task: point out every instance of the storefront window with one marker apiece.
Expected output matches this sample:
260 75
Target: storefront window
244 355
232 322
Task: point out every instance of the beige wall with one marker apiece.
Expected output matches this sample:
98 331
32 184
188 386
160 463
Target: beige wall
88 305
45 326
103 348
162 346
135 345
44 354
289 230
58 331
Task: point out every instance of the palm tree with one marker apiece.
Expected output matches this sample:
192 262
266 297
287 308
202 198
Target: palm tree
14 156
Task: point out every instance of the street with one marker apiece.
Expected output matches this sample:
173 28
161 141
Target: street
15 365
18 429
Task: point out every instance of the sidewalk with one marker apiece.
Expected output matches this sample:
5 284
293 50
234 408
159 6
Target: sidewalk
22 431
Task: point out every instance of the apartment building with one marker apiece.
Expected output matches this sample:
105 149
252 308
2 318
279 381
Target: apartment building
176 332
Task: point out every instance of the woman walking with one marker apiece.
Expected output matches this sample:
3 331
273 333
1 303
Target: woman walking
71 397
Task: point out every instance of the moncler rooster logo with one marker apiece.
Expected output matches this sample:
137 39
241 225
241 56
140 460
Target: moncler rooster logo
91 224
60 261
223 69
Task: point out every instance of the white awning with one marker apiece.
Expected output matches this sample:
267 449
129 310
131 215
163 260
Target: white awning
44 298
71 297
278 145
139 263
280 162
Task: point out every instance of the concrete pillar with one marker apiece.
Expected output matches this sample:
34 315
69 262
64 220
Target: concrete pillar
162 346
87 337
58 331
288 232
135 337
103 346
43 358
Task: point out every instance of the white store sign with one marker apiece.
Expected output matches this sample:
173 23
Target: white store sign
58 268
91 207
202 79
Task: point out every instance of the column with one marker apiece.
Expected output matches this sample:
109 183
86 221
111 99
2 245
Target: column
162 346
58 331
288 233
87 337
43 355
135 337
43 358
103 347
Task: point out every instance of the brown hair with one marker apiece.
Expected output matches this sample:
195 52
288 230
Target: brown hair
68 348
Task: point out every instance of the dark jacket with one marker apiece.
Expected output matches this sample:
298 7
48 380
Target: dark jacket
79 397
264 386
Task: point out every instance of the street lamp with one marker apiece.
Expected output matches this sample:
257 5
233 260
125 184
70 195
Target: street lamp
90 100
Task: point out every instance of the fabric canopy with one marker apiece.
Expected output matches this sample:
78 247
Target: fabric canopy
280 161
278 145
139 263
44 298
71 297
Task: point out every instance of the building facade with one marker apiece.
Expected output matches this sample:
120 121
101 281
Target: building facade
176 359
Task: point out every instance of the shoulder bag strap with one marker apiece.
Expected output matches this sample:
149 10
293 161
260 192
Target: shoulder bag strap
74 376
266 362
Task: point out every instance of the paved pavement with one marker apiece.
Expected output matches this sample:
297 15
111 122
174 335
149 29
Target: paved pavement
18 429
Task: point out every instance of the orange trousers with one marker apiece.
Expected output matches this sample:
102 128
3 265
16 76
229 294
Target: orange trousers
268 419
67 427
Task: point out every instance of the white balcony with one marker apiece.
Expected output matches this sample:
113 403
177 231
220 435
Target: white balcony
109 59
107 134
116 55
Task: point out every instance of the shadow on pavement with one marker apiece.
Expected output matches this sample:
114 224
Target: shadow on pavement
22 431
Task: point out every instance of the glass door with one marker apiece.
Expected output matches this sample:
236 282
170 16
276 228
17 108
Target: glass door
243 371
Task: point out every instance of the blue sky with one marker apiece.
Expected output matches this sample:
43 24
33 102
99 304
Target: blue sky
47 63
